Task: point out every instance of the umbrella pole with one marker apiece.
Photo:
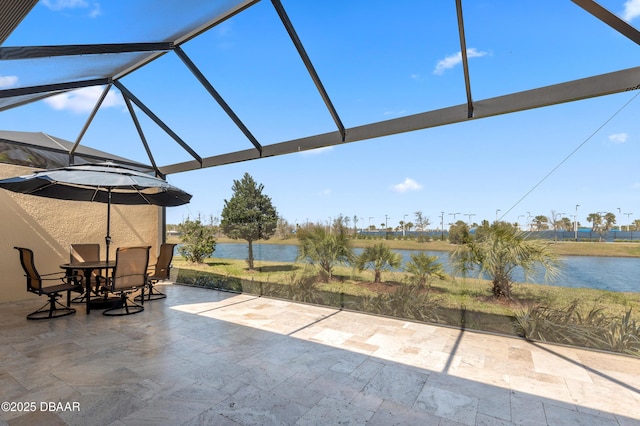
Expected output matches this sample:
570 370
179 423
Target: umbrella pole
107 239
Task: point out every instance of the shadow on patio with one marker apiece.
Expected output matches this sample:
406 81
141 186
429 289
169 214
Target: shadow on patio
209 357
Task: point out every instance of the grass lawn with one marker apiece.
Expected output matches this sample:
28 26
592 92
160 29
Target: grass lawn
473 294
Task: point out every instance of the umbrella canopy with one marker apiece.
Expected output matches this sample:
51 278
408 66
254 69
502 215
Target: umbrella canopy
104 183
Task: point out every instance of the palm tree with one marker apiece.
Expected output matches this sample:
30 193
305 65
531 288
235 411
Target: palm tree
609 221
504 249
596 220
423 268
601 224
323 249
541 222
408 226
378 257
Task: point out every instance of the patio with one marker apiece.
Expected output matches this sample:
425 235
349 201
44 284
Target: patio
209 357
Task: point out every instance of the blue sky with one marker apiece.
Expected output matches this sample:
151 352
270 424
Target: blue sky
378 60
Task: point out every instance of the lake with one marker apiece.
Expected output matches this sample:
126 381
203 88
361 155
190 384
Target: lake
606 273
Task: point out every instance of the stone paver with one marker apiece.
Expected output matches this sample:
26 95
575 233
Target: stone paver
207 357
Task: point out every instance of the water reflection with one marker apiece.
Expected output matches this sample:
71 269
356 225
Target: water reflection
605 273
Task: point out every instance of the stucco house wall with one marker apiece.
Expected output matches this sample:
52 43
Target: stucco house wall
49 227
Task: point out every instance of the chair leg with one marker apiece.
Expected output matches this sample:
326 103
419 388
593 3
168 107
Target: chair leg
152 294
123 308
51 310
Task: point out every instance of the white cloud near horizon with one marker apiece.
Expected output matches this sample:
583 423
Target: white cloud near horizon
408 185
455 59
618 138
8 81
83 100
631 10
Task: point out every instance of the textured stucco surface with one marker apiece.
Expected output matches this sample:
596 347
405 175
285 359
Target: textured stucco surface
48 227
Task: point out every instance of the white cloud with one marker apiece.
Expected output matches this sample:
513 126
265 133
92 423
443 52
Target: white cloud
8 81
83 100
408 185
631 10
453 60
64 4
57 5
618 138
96 11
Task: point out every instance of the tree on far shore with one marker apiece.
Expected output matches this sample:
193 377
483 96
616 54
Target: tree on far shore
249 214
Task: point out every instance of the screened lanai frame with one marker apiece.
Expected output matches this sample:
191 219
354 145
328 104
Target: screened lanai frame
50 70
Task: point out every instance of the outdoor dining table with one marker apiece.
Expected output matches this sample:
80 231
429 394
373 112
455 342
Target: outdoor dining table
88 268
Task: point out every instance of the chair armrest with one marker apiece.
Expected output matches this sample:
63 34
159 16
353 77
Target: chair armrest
63 277
52 273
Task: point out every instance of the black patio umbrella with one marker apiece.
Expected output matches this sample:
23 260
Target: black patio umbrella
104 183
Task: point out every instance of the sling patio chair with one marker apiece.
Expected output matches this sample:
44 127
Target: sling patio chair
162 270
129 276
35 284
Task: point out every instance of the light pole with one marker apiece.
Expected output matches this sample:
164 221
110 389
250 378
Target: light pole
575 223
628 221
469 216
386 226
555 225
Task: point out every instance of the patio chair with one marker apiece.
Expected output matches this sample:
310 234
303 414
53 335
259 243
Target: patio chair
129 276
84 253
35 284
162 269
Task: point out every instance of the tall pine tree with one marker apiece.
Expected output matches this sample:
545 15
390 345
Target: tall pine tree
249 214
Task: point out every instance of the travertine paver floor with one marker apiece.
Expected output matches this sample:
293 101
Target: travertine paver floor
207 357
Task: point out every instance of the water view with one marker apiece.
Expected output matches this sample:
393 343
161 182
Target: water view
606 273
